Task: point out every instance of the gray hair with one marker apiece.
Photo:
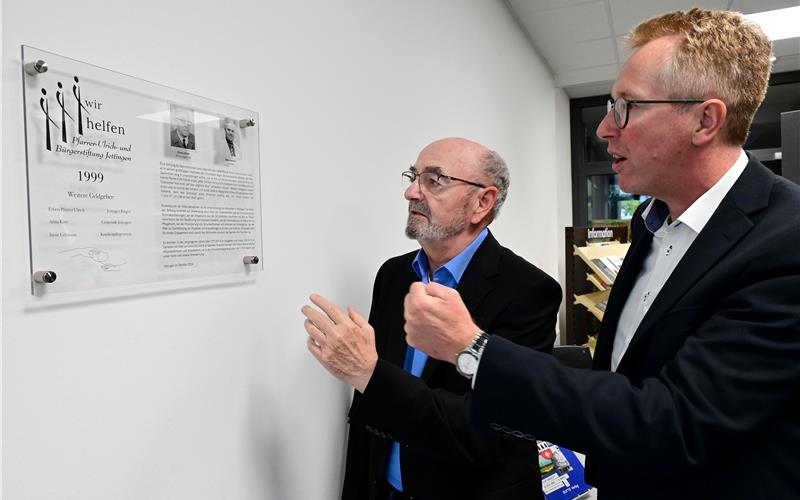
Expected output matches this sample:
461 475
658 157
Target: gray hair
495 168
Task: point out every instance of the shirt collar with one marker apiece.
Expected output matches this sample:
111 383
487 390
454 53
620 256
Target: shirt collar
699 212
455 266
655 214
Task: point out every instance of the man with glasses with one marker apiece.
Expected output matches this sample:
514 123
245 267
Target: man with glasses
454 190
695 391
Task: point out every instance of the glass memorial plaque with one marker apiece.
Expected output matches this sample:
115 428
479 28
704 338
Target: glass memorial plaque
133 183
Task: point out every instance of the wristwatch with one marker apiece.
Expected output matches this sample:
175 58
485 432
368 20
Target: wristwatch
467 360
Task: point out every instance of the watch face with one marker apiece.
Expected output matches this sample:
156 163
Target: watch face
466 363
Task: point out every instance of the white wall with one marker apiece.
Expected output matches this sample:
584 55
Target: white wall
562 184
209 393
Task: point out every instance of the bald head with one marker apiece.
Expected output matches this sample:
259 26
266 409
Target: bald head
456 154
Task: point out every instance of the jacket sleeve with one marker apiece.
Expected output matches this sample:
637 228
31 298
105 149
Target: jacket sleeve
356 475
734 371
399 406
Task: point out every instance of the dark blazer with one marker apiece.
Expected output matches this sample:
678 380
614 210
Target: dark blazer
705 402
176 140
442 456
232 152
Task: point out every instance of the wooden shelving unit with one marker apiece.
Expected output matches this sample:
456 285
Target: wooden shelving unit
603 274
594 302
588 283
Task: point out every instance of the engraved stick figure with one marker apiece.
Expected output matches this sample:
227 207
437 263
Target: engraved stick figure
64 113
45 105
76 91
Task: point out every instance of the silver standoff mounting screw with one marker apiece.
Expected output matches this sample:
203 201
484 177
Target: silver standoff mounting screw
44 276
36 67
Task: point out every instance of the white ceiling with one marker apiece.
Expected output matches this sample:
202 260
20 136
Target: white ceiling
582 41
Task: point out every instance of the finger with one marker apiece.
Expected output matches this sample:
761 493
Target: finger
314 333
313 346
334 313
319 320
409 299
316 352
357 318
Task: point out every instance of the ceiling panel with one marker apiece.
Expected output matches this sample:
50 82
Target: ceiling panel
538 5
785 47
589 89
585 54
586 21
597 74
583 40
750 6
593 53
627 14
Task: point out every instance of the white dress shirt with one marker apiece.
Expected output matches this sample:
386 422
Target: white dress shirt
671 240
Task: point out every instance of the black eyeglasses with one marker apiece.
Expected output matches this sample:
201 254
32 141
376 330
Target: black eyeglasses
621 107
433 182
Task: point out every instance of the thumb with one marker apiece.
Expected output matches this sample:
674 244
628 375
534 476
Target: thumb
438 291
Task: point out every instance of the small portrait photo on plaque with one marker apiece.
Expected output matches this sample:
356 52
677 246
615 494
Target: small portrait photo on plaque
181 133
231 144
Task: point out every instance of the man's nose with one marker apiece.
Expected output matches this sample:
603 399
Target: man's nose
413 191
607 128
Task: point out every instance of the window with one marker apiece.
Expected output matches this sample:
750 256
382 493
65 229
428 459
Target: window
596 195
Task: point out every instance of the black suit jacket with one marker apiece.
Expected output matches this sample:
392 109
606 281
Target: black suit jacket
175 140
442 456
705 403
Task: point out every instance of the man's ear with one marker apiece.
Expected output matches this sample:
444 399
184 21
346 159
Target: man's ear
710 122
484 204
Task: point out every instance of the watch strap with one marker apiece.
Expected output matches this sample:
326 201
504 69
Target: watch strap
479 343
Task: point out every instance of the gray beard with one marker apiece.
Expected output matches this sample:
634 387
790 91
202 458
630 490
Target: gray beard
421 229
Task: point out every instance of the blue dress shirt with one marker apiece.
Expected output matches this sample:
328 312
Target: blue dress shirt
448 275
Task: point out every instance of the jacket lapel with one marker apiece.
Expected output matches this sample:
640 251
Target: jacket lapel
391 344
474 285
626 278
729 223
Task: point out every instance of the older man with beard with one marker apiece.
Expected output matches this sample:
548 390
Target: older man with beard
455 189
